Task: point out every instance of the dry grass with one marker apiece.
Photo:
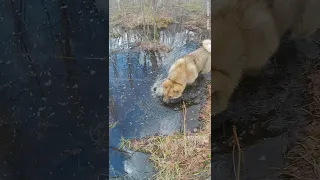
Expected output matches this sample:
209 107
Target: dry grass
153 46
138 20
167 13
135 19
180 156
304 157
196 23
314 89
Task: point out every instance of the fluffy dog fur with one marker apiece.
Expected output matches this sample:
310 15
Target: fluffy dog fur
246 33
185 71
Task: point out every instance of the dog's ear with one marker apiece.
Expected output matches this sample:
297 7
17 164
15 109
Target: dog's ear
166 84
177 88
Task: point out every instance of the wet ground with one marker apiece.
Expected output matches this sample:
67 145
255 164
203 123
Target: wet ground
53 90
136 108
267 111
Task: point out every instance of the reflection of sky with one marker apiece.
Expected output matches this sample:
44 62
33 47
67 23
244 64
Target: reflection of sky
137 113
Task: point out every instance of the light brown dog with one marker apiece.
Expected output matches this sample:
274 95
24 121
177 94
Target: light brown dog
246 33
185 71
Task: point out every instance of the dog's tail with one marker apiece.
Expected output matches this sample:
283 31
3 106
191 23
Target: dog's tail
207 45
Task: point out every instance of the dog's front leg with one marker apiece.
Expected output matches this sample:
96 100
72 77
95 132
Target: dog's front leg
222 89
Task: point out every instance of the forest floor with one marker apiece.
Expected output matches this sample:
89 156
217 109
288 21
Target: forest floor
304 157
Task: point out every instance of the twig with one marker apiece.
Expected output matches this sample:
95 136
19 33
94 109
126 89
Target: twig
311 114
184 110
234 162
236 140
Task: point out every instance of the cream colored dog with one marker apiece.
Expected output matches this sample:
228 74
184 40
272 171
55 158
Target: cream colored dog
246 33
185 71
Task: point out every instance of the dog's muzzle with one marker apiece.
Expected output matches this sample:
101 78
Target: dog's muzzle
165 99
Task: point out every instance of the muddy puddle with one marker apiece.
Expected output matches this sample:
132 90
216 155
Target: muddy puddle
267 111
136 108
53 90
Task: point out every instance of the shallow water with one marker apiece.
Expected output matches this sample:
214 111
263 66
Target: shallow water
135 93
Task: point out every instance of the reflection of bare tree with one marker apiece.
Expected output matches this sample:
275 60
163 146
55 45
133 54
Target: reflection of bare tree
129 62
159 56
169 35
48 17
112 109
70 62
153 60
128 38
114 65
144 69
21 31
17 8
66 48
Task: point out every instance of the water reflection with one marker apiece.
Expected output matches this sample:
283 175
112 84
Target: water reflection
52 90
133 72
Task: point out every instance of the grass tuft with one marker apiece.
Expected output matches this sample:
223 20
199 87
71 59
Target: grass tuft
180 156
153 46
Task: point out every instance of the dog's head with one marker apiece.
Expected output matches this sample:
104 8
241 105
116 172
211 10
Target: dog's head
171 90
